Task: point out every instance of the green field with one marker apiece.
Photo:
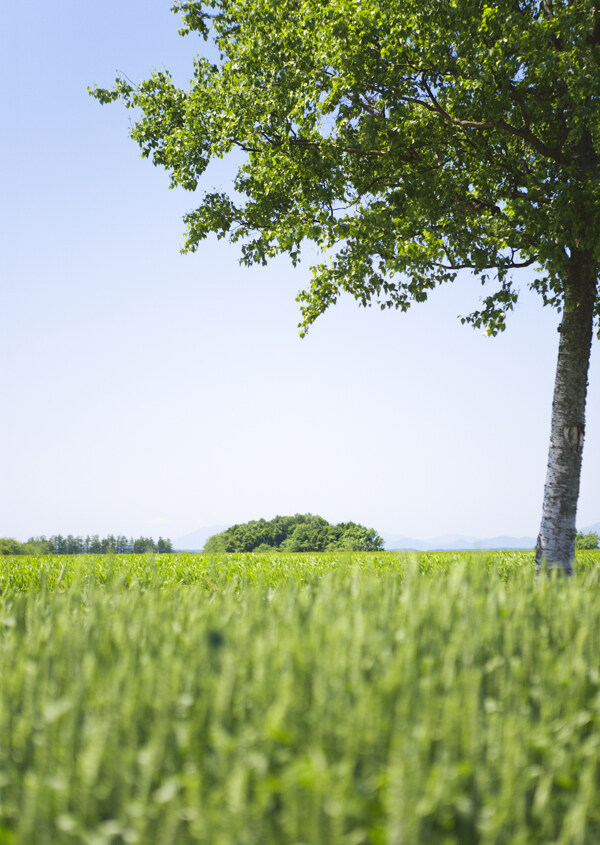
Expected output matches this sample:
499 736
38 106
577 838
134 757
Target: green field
363 699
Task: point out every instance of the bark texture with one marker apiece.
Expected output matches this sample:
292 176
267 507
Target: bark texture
556 540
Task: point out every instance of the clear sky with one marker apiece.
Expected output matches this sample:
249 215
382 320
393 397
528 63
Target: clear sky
146 392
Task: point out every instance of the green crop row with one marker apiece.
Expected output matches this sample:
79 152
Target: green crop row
299 700
213 572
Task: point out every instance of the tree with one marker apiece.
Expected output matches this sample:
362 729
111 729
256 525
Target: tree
36 546
143 545
409 141
95 545
359 538
9 546
164 546
587 541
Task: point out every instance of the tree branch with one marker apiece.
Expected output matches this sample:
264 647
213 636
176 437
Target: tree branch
509 265
480 125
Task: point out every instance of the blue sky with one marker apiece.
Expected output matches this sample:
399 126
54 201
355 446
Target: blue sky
146 392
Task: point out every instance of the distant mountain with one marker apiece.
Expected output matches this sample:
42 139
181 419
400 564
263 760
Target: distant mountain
195 541
458 542
595 528
397 542
508 543
455 543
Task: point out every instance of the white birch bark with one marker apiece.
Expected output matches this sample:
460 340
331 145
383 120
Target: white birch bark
556 540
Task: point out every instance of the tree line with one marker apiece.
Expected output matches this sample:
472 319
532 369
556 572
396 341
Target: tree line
91 545
299 533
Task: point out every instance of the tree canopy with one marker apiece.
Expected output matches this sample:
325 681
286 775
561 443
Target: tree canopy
591 540
299 533
407 141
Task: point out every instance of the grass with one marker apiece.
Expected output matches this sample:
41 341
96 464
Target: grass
298 699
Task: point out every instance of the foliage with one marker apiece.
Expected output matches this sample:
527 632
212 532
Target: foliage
407 140
299 533
8 546
587 541
70 545
382 700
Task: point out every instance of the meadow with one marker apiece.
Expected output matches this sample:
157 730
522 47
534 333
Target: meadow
349 699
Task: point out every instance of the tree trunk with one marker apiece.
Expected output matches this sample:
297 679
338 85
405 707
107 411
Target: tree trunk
556 540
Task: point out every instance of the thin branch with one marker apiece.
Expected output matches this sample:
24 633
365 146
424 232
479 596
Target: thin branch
594 37
277 143
510 265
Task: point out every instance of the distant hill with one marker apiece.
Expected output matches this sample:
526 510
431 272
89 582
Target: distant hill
455 543
589 528
459 542
195 541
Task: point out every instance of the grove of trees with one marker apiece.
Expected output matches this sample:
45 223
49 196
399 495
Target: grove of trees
299 533
94 545
408 141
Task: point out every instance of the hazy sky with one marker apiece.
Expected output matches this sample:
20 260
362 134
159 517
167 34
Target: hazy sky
146 392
